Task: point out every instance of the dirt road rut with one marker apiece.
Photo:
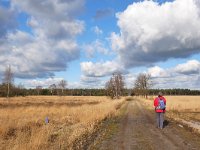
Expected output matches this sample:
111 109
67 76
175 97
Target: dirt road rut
137 131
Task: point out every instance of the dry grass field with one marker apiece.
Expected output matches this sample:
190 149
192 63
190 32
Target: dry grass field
184 107
22 120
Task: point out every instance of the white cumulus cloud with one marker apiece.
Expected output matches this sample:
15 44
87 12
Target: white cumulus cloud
44 83
100 69
152 32
158 72
7 20
184 75
96 47
51 42
190 67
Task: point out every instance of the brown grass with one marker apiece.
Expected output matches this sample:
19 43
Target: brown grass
23 120
185 107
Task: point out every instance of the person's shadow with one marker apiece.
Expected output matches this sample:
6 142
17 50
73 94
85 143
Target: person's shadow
165 123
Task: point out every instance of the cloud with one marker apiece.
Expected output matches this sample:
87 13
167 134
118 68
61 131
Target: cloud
86 79
51 43
51 9
177 81
75 85
191 67
102 13
7 21
96 47
185 75
129 80
161 78
44 83
158 72
152 32
92 82
100 69
97 30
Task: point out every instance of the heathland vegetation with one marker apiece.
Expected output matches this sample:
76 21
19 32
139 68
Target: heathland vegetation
52 122
179 107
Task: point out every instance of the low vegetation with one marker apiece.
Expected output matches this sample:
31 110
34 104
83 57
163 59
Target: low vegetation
184 107
24 123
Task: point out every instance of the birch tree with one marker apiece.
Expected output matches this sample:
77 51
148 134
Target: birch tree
38 89
52 87
62 84
8 79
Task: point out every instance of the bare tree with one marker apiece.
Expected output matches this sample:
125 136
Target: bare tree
110 88
8 79
142 84
115 85
38 89
62 84
52 87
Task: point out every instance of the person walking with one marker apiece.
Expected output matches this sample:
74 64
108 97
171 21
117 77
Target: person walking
160 108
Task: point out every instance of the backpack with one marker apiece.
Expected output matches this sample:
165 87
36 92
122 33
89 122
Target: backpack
161 104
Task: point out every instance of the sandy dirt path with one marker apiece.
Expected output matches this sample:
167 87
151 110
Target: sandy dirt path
137 131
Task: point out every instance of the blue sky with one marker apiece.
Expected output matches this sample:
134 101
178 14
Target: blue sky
85 41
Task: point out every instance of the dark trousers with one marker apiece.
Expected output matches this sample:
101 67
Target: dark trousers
159 119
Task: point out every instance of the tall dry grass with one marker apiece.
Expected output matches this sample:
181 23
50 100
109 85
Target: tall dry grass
186 107
22 120
183 103
179 103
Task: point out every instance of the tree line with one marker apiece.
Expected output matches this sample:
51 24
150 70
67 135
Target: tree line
115 88
17 91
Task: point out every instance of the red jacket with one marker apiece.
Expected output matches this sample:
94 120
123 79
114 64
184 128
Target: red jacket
156 103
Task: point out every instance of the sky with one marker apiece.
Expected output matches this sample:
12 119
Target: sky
85 41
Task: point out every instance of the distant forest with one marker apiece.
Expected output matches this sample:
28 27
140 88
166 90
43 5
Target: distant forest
20 91
114 87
